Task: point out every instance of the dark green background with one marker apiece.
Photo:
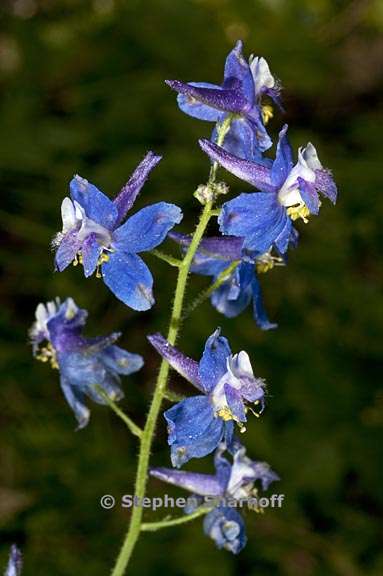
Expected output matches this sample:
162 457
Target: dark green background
82 91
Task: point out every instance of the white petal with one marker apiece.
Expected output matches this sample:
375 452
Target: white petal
68 215
310 155
261 74
41 314
243 362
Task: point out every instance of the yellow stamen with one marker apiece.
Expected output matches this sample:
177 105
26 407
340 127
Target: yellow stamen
299 211
263 267
226 414
267 113
266 262
48 354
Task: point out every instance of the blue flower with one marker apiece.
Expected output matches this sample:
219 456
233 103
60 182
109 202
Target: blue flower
242 287
93 234
226 381
287 192
232 483
240 95
84 363
15 563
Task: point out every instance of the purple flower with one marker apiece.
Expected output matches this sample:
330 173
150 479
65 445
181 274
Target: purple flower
84 363
93 234
233 482
287 192
226 381
15 563
240 95
242 287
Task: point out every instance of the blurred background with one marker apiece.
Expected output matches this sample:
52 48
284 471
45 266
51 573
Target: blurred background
82 91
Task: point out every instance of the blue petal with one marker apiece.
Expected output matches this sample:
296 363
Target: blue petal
196 109
260 219
120 361
126 198
193 430
201 484
283 162
96 205
284 232
222 467
128 277
309 195
241 141
90 252
324 182
213 362
187 367
147 228
227 528
235 403
263 140
229 302
238 68
251 172
265 474
76 400
67 250
260 315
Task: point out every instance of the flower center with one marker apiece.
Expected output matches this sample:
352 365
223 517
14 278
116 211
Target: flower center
267 261
299 211
48 354
267 113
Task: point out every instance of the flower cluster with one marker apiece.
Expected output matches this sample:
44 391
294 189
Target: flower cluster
257 229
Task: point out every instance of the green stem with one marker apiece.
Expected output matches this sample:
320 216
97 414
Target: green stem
160 389
136 430
154 526
173 396
167 258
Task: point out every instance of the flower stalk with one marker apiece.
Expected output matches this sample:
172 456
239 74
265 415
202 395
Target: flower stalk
135 525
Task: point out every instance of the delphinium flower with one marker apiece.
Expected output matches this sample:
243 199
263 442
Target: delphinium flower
241 287
240 97
197 424
232 484
15 563
94 235
84 363
287 192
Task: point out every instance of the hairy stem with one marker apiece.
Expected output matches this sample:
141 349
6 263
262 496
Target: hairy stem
167 258
136 430
160 389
